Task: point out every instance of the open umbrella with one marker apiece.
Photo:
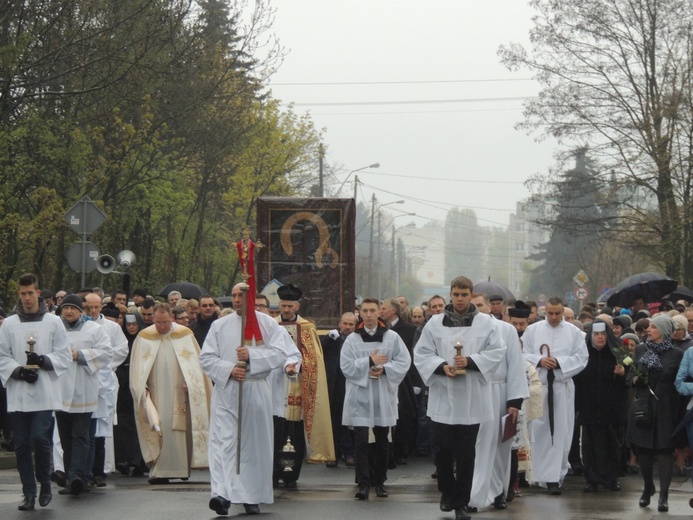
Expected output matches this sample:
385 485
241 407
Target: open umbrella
648 286
550 376
682 293
186 289
492 289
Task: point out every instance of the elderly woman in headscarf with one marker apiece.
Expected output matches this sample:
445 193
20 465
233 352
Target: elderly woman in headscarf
654 413
600 405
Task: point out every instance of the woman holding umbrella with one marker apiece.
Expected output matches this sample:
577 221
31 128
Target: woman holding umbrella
654 413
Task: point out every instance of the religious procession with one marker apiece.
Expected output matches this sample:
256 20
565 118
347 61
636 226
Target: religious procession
498 393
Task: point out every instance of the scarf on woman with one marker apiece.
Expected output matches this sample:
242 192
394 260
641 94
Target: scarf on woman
652 358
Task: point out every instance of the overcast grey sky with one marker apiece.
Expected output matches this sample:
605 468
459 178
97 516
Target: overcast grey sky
452 142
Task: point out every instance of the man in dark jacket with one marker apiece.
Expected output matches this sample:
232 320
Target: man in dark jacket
205 318
331 348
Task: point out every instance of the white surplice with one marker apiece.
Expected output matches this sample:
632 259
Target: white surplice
463 399
567 345
372 402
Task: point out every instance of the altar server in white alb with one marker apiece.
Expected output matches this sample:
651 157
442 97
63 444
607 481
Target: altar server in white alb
91 351
509 386
374 361
221 353
558 350
458 403
33 394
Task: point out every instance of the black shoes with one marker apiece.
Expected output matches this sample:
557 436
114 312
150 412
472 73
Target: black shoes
645 497
362 493
290 484
590 488
219 505
252 509
499 502
380 491
402 461
123 468
45 496
331 463
614 485
663 504
553 488
59 478
446 507
28 503
462 513
75 488
157 481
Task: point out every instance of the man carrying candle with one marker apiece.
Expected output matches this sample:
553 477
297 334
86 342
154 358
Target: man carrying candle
33 394
458 403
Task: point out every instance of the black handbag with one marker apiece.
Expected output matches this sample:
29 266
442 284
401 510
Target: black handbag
642 411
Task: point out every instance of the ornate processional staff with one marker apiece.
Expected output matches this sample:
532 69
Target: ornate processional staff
250 329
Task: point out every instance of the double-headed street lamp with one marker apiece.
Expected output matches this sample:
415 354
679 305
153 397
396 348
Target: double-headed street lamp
356 179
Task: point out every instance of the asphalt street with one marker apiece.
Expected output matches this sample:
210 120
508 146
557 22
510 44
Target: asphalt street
328 493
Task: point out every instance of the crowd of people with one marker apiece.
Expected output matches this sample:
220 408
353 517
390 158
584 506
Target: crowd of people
499 393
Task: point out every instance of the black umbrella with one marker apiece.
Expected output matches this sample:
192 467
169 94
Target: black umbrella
648 286
682 293
550 377
492 289
187 290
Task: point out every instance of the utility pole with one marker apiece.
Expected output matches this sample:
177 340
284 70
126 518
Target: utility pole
370 249
321 155
356 185
378 272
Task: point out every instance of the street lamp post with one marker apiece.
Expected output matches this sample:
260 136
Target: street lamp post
370 249
374 165
393 260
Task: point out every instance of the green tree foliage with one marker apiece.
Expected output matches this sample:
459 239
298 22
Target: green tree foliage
616 79
158 111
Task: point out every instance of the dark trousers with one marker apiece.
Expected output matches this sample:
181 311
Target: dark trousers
74 436
97 453
292 430
456 444
423 427
368 473
33 430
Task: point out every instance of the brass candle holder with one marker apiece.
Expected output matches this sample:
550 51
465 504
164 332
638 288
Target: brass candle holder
31 342
458 349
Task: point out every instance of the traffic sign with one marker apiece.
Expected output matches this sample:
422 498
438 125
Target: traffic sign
581 278
85 217
569 297
581 293
81 257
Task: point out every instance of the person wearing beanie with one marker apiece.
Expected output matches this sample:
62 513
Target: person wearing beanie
33 336
621 325
91 351
138 296
650 430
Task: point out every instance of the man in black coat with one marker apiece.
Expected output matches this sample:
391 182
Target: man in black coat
207 316
336 382
405 433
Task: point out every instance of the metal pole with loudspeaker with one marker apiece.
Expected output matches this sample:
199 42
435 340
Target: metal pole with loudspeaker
105 264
